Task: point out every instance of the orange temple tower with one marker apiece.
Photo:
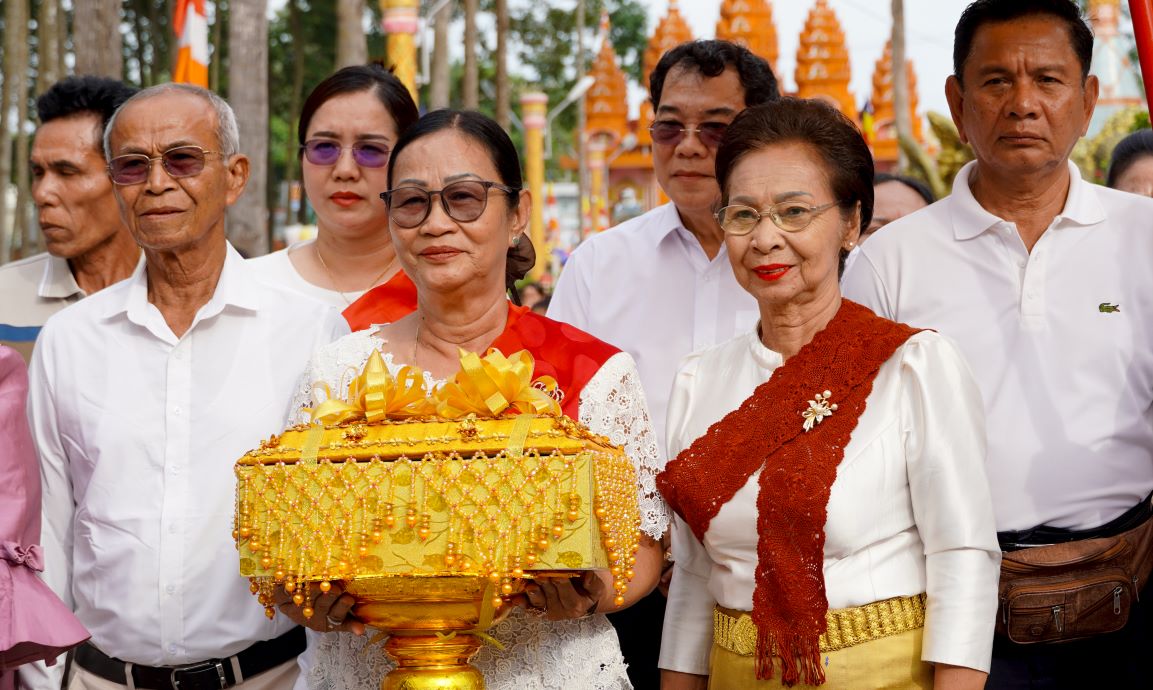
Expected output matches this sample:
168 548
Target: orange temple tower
671 31
823 61
885 147
606 104
750 23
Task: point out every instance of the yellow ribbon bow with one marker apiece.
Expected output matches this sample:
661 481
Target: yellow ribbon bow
375 395
491 386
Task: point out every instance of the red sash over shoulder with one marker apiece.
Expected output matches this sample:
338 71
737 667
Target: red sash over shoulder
561 351
384 303
794 428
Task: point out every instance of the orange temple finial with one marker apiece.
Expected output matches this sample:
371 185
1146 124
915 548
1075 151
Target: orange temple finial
823 60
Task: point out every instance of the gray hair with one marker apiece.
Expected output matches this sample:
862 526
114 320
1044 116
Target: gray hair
227 133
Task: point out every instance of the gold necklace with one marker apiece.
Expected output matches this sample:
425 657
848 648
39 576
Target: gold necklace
332 279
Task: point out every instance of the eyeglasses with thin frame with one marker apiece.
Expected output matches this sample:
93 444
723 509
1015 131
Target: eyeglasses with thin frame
463 201
367 154
179 161
790 216
671 132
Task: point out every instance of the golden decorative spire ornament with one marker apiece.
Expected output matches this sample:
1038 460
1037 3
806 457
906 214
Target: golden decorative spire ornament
750 23
885 147
823 61
607 104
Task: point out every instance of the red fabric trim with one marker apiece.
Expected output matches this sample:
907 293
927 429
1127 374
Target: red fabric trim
384 303
561 351
797 472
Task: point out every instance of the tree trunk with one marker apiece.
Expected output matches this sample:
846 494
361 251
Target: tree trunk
96 38
62 35
351 43
470 89
901 119
219 19
248 94
290 153
49 68
438 87
502 91
13 91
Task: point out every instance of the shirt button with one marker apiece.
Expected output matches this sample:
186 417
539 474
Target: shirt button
171 530
171 589
171 649
179 355
176 411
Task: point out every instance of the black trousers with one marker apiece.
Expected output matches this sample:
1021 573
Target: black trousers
639 629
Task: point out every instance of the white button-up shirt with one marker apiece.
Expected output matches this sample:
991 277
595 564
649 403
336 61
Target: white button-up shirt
1060 340
647 287
138 431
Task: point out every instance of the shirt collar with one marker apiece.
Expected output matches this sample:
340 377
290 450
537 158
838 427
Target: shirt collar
666 222
1082 205
236 287
58 281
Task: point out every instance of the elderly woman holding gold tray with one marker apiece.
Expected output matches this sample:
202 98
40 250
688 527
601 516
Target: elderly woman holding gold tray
835 524
455 208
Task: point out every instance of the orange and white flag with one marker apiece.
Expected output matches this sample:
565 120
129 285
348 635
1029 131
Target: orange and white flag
190 23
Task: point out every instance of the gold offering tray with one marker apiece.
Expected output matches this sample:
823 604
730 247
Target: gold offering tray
498 498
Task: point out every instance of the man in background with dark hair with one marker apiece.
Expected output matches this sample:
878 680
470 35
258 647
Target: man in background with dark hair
660 286
89 247
1042 279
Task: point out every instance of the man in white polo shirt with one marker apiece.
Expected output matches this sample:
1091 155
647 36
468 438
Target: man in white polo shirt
89 247
660 286
1043 279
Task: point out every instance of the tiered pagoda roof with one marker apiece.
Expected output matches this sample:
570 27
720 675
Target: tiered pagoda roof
750 23
885 147
823 60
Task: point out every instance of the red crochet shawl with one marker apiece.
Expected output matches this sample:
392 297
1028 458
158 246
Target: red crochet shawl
797 472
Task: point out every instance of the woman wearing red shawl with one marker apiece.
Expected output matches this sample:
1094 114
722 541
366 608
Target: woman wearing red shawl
34 624
853 444
455 209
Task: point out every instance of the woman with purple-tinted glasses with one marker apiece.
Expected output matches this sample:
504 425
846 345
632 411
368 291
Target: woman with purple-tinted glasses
348 126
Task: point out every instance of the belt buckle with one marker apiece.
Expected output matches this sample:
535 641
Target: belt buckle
203 666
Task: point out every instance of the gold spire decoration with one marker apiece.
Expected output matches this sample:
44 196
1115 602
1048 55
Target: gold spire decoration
672 31
607 104
885 147
750 23
1105 15
823 61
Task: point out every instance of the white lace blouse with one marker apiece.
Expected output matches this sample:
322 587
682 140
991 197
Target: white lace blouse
570 655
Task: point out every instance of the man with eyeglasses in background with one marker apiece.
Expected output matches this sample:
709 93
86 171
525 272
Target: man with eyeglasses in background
659 286
88 246
141 399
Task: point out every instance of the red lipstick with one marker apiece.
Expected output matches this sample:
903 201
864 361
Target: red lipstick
772 272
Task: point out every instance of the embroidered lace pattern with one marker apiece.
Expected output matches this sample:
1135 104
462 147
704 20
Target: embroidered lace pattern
768 431
578 655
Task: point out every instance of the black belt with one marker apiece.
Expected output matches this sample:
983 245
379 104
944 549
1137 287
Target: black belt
1045 535
212 674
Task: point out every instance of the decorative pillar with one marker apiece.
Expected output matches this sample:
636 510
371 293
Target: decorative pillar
534 109
400 25
598 164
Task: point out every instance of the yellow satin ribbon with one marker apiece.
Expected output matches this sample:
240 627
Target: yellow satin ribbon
376 395
491 386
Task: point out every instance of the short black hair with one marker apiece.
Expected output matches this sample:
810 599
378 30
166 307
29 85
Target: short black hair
982 12
710 58
385 85
1127 152
83 94
814 123
910 182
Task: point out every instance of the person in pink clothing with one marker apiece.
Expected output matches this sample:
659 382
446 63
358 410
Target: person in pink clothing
34 624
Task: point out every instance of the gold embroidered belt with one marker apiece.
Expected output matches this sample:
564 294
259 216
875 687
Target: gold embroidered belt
736 632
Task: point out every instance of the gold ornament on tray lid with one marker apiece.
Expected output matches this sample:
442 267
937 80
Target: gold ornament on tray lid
433 507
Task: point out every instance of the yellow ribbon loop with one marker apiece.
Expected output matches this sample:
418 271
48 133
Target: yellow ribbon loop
496 385
376 395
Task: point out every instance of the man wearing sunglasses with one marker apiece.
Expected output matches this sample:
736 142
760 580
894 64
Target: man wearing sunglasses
141 399
88 246
659 286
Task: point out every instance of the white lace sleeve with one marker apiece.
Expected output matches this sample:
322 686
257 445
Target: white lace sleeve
613 404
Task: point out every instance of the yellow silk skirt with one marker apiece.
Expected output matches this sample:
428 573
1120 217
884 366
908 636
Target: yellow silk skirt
889 663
